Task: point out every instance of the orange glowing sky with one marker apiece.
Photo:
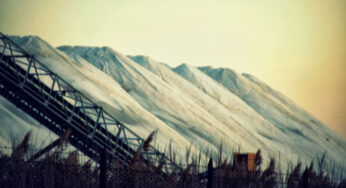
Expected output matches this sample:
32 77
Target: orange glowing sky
297 47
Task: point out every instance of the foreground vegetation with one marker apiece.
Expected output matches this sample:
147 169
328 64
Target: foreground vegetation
55 169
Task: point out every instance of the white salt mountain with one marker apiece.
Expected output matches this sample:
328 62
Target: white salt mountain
182 106
193 107
235 117
101 88
194 115
309 135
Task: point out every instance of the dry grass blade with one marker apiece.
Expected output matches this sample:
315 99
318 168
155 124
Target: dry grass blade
150 138
136 156
19 152
187 154
187 171
269 177
219 162
270 170
159 168
72 158
87 165
258 158
145 146
64 137
294 176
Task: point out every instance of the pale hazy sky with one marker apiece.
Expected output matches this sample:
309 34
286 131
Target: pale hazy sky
296 46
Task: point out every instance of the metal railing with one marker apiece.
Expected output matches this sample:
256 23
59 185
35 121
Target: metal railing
56 104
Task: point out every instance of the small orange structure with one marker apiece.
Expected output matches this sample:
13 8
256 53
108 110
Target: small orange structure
245 161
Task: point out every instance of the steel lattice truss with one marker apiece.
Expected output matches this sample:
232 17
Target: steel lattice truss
53 102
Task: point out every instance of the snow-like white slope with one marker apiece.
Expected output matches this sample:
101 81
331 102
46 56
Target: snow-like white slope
241 122
195 115
239 110
310 136
102 89
170 104
190 107
258 129
15 124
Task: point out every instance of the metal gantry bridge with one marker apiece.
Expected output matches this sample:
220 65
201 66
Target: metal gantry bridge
53 102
